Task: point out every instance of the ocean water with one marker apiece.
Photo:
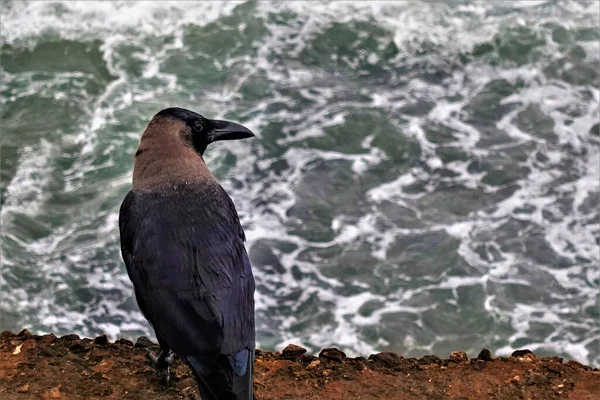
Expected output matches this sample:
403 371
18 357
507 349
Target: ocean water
425 176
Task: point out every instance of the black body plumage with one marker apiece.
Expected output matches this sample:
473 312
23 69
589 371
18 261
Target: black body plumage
183 246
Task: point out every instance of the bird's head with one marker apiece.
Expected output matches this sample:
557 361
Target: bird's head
201 131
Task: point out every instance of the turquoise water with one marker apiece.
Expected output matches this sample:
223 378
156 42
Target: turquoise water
425 176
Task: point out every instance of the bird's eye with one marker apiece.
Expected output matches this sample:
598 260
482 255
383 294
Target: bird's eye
198 127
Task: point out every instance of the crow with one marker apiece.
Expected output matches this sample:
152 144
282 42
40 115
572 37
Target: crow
183 247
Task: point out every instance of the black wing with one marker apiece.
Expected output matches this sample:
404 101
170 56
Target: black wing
185 255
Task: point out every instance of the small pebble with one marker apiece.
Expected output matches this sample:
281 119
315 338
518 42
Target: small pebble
17 350
53 393
24 388
313 365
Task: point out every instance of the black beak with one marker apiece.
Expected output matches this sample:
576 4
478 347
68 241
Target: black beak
226 130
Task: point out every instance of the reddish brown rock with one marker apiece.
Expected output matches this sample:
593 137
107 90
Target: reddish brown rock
70 337
485 355
101 340
144 342
332 354
124 342
47 339
23 389
43 370
24 333
293 351
459 356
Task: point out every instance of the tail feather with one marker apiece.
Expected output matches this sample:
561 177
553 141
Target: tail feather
222 383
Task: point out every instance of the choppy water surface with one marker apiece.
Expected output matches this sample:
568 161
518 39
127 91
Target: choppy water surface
425 177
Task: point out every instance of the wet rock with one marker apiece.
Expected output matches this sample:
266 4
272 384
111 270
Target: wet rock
70 337
332 354
459 356
124 342
485 355
143 341
101 340
292 351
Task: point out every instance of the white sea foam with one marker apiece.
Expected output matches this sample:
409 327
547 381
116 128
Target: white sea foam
27 190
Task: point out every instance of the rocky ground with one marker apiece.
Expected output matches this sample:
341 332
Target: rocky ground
47 367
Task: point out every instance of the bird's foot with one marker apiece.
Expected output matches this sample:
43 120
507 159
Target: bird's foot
162 361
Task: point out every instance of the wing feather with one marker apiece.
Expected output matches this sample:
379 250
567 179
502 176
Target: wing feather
185 255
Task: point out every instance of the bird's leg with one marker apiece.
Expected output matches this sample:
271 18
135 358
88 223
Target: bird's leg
153 357
163 361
